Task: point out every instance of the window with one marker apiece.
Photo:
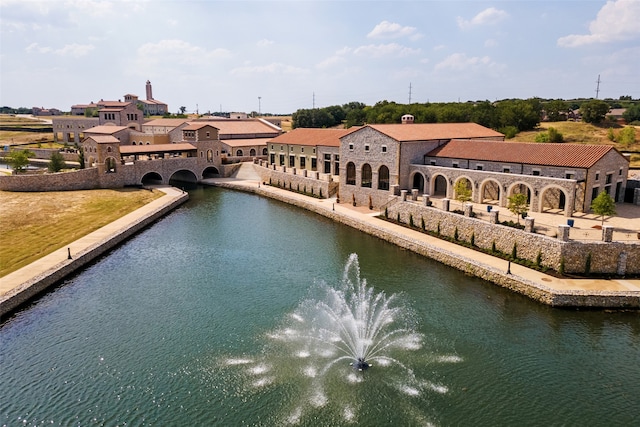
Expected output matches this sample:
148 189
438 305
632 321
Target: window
252 152
506 169
208 134
384 148
609 178
327 166
292 161
303 162
597 176
281 159
536 172
327 157
302 149
336 157
479 167
594 193
432 162
366 147
264 151
366 175
383 178
239 153
569 175
620 171
455 164
272 158
290 148
336 168
351 174
351 147
314 163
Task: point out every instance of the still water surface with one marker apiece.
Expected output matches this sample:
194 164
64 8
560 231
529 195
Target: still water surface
162 331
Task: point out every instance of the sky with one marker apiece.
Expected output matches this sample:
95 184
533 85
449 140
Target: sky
281 56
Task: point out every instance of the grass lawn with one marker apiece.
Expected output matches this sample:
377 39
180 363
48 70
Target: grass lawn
35 224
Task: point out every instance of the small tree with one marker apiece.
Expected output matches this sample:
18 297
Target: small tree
18 160
603 205
56 162
518 205
463 192
627 137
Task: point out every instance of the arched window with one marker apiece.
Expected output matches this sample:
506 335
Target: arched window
351 174
252 153
209 155
239 153
383 178
264 151
110 165
366 175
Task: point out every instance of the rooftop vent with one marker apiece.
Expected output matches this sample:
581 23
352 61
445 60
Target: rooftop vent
407 119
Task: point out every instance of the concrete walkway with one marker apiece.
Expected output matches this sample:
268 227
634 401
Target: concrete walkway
23 284
592 292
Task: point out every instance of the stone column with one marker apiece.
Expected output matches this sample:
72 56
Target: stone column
304 173
403 195
528 224
607 233
425 199
293 171
563 232
468 209
493 217
414 194
445 204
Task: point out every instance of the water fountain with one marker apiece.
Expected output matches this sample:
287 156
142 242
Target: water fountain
337 339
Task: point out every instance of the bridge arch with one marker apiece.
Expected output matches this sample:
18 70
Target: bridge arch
152 178
183 178
210 172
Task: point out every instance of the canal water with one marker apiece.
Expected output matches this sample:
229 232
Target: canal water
175 327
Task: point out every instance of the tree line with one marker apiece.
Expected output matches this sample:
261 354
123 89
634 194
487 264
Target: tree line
507 116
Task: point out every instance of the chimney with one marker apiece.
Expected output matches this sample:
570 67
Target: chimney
407 119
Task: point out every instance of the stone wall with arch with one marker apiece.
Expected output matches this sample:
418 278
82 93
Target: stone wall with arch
501 185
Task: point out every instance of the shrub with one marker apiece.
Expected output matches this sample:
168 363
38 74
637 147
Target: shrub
493 246
561 269
473 239
386 213
411 220
509 131
539 259
422 223
455 234
587 264
514 251
398 217
438 229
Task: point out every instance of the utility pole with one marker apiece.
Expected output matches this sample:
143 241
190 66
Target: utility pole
409 93
259 106
598 86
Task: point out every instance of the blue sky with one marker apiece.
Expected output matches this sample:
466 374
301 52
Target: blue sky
219 55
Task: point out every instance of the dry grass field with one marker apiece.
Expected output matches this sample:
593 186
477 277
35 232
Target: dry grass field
22 137
36 224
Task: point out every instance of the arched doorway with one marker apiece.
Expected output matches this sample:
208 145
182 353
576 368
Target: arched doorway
440 186
351 173
490 192
418 182
553 200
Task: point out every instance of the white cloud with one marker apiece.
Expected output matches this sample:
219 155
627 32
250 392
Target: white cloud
273 68
462 62
617 20
380 50
331 61
264 43
74 50
391 30
180 52
488 16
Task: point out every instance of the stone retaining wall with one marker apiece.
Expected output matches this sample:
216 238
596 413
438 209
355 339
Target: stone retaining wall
297 180
54 275
83 179
606 257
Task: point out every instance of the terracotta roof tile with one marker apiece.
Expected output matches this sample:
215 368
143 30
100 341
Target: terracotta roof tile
431 131
563 155
313 137
246 142
105 129
104 139
156 148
